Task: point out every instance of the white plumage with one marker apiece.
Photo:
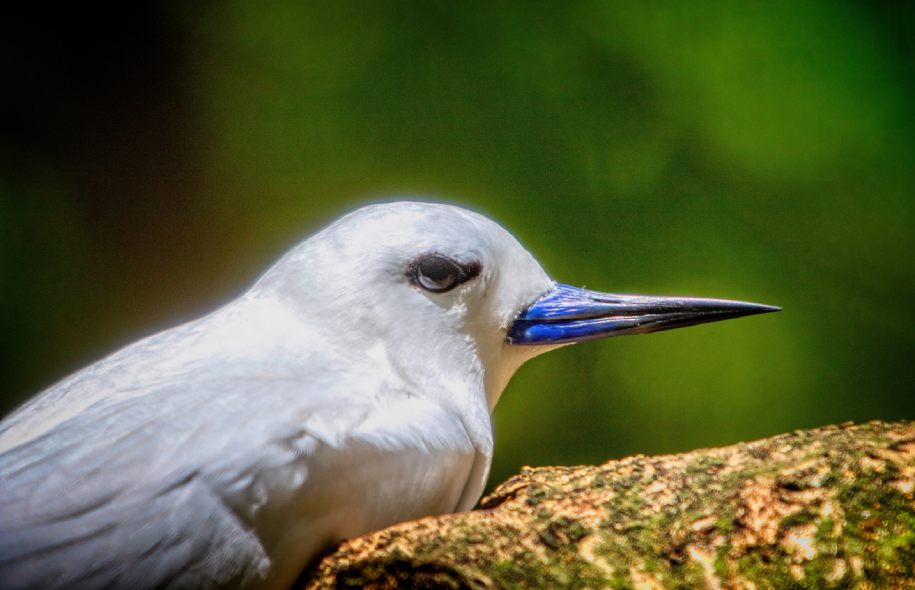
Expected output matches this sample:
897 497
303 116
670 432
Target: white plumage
349 389
333 398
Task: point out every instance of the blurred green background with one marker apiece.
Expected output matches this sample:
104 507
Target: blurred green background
156 160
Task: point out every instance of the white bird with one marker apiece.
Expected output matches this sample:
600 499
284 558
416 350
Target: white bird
349 389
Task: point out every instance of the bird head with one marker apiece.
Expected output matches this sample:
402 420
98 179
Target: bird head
443 292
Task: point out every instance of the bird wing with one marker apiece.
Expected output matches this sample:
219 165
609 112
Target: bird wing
196 485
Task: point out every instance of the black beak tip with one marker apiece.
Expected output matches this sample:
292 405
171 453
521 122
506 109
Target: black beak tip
758 308
739 309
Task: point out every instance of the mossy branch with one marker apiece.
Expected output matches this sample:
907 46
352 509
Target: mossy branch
831 507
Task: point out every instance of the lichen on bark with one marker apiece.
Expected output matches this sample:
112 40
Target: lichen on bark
826 508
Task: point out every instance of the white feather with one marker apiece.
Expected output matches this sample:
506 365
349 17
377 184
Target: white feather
332 399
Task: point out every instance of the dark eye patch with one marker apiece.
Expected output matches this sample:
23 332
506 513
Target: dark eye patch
438 273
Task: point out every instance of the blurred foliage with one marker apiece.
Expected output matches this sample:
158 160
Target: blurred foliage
154 162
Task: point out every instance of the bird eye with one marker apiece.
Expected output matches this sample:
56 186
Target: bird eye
437 273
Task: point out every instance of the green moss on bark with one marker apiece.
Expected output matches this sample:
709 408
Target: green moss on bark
826 508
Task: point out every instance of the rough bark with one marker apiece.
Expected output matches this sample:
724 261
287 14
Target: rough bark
824 508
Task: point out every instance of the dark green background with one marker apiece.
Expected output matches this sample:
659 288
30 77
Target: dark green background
156 160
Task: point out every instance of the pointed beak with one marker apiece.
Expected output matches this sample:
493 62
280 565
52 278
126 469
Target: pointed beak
570 314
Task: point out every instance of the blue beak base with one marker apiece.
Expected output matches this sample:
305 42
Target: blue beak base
570 314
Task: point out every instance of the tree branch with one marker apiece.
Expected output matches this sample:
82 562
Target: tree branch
831 507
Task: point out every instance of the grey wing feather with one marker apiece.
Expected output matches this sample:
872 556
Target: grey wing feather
122 495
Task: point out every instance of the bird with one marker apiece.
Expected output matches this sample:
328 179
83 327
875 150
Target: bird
348 389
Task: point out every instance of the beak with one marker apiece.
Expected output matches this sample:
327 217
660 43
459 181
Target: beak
570 314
